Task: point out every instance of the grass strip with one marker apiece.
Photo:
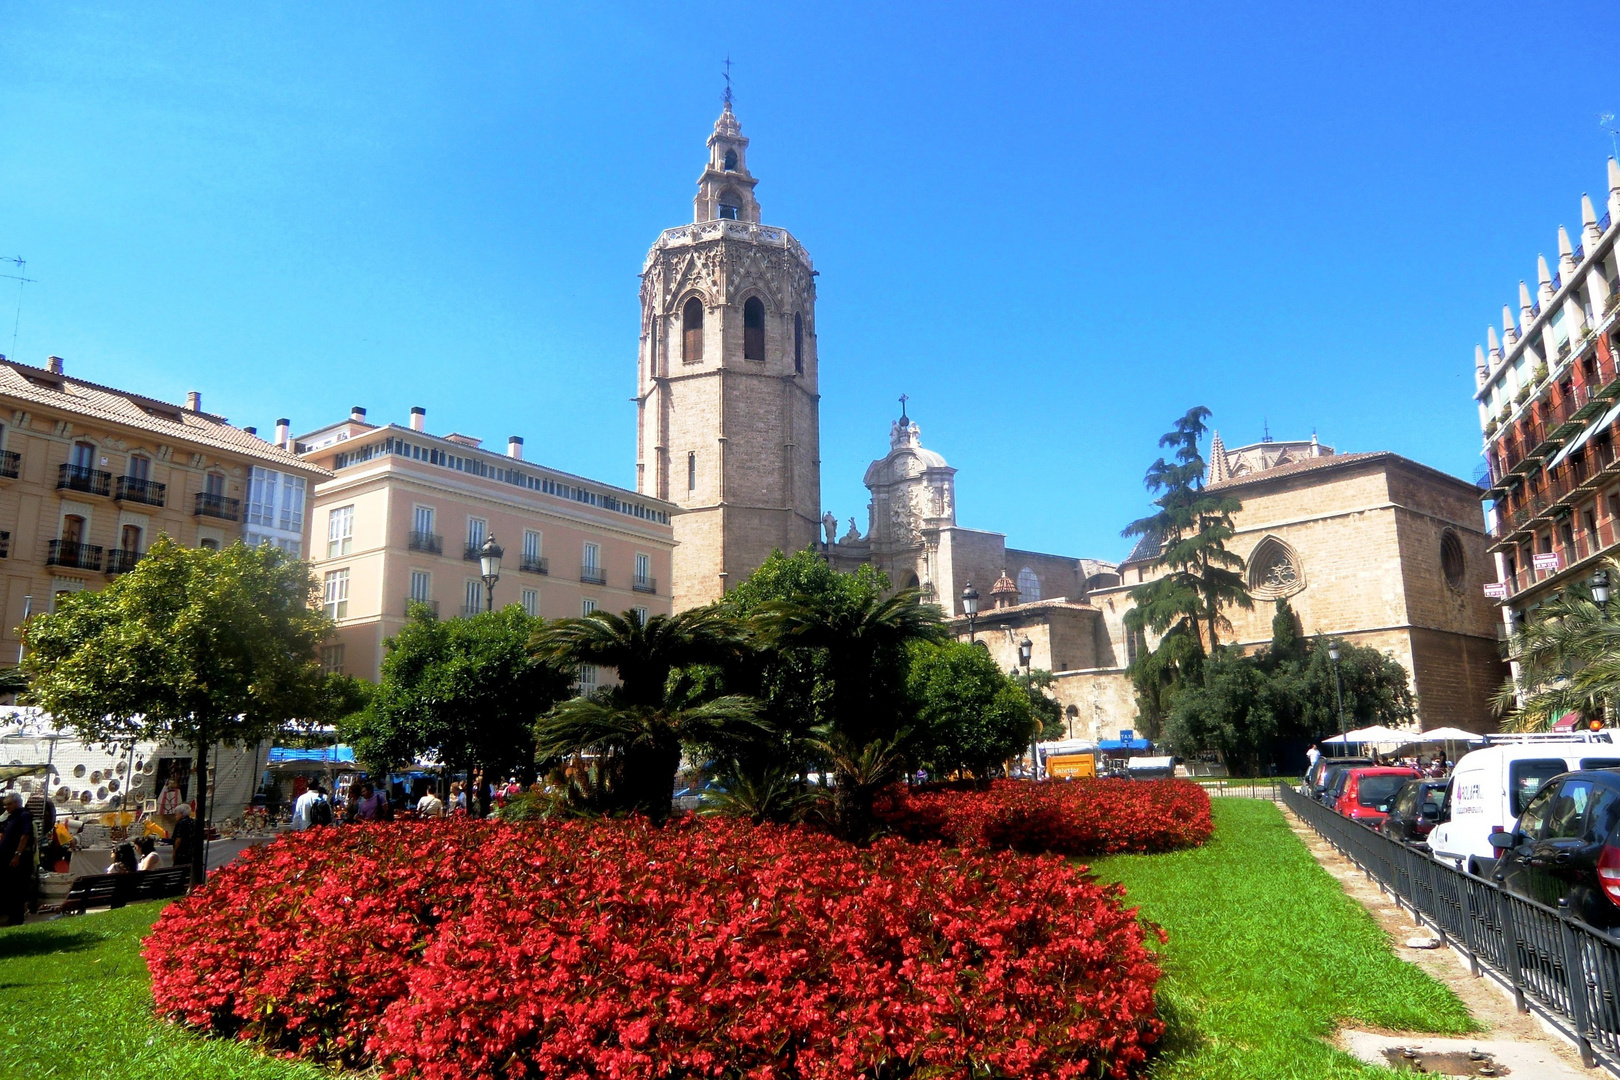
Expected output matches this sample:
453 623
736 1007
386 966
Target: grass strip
1268 956
76 1003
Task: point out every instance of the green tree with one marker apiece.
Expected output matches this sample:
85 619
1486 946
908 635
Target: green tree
191 646
1569 660
467 690
638 728
969 715
1048 713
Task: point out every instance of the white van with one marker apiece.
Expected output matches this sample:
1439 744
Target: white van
1490 787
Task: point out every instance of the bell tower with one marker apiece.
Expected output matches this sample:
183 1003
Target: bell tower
728 406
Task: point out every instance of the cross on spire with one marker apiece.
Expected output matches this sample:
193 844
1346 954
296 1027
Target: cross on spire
727 97
903 399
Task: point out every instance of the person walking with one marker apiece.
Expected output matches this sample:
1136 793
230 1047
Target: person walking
303 808
185 836
16 859
430 805
370 805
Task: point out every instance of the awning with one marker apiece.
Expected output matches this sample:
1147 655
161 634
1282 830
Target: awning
1591 429
1377 735
12 772
1123 744
311 755
1568 722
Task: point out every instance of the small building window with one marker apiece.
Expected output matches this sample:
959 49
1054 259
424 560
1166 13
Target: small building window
332 659
731 161
340 531
472 597
1452 563
691 471
335 594
798 343
692 331
753 329
531 602
1029 586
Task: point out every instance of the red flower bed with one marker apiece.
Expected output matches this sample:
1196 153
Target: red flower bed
613 949
1070 817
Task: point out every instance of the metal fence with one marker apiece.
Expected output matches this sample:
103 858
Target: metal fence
1263 788
1563 969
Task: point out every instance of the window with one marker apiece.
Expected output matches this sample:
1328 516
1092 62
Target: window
640 615
1525 778
214 484
332 659
421 586
340 531
422 520
586 607
292 503
335 595
1452 563
531 546
208 543
1274 570
72 529
798 343
476 530
729 203
472 597
691 471
731 161
531 602
728 211
587 679
643 568
140 468
753 329
261 499
692 331
84 456
1029 586
592 561
130 538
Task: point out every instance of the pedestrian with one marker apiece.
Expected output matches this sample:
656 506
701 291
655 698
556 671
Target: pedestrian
1311 757
185 836
147 848
301 818
124 859
16 859
320 809
458 797
430 805
370 806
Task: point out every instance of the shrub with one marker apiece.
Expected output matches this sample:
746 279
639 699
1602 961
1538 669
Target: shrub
1071 817
711 947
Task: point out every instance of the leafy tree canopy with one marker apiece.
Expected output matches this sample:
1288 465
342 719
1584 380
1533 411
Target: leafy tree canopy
969 715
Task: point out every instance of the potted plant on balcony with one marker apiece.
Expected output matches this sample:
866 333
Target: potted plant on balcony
1507 411
1538 375
1614 300
1522 396
1490 427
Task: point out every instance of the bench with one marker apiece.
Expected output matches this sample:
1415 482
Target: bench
116 890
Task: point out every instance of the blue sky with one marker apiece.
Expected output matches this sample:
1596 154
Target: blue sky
1054 227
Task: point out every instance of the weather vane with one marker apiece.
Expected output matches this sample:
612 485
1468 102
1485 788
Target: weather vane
728 81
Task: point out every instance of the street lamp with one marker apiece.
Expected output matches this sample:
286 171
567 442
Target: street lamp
489 562
1600 587
970 607
1025 648
1338 692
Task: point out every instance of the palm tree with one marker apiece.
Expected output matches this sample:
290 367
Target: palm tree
643 653
1569 661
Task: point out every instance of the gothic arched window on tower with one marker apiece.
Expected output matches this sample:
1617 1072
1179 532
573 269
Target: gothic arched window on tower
729 203
1029 586
692 331
798 343
731 160
753 329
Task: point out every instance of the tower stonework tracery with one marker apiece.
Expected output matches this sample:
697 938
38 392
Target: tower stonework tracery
727 387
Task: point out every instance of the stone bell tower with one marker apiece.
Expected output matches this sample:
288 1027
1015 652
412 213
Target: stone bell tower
728 406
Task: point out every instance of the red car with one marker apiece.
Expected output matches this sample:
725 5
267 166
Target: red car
1369 792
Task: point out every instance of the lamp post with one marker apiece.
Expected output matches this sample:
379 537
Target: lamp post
1025 648
489 563
970 608
1338 692
1600 587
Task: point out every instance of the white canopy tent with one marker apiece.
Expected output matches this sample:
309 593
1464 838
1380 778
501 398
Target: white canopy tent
1377 735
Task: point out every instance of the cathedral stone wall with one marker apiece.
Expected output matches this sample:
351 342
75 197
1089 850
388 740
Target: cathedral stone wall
1059 575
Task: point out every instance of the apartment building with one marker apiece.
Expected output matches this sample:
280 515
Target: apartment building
1549 405
90 476
405 513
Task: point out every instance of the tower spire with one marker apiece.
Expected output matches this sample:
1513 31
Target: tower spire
727 97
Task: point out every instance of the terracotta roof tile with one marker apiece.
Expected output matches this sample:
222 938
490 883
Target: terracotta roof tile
1309 465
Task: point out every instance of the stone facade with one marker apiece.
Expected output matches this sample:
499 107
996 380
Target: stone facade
728 405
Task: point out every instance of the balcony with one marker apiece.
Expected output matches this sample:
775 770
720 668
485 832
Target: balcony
73 555
469 610
470 552
534 564
644 584
413 601
120 561
10 464
428 542
592 575
140 491
218 506
72 477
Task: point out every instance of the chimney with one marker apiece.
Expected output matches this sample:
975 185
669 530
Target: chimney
514 447
193 399
357 415
53 364
283 431
418 418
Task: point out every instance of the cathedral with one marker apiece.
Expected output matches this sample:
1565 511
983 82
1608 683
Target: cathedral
1370 547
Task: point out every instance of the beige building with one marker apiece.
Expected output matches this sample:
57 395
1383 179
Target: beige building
728 424
91 475
404 514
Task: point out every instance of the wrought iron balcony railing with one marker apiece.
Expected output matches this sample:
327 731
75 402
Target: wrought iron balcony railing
471 551
10 464
645 584
70 477
413 601
534 564
592 575
218 506
148 492
75 555
122 561
431 543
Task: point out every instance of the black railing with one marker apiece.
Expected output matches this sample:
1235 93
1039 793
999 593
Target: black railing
592 575
534 564
644 584
218 506
122 561
469 610
413 601
428 542
471 552
1565 970
77 556
10 464
149 492
5 545
70 477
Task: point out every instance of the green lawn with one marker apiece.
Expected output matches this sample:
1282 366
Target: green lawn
75 1004
1267 956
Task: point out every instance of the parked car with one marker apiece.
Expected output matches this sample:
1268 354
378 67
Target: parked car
1367 793
1333 778
1316 775
1491 787
1417 807
1566 845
